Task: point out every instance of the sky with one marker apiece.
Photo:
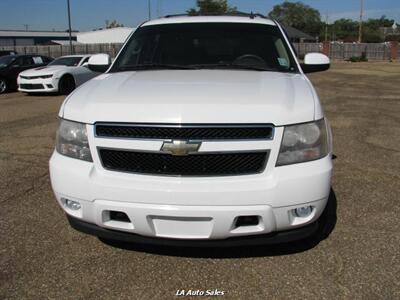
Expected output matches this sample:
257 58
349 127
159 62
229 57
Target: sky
90 14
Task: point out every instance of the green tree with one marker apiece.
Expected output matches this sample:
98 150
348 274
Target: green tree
345 29
375 24
298 15
211 7
113 24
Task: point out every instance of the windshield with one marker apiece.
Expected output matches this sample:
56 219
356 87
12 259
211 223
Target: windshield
66 61
6 60
256 47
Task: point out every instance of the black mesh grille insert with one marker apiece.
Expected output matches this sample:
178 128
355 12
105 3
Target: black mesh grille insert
31 86
220 132
212 164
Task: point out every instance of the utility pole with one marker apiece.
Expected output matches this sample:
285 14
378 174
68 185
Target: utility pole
326 28
361 21
69 28
159 8
26 27
149 7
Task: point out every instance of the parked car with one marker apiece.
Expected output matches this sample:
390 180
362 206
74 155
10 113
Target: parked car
12 65
7 52
204 130
62 76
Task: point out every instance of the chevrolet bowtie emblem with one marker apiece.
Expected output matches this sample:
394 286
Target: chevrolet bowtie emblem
180 147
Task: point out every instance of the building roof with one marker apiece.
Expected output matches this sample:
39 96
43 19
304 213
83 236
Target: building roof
64 42
22 33
105 30
294 33
110 35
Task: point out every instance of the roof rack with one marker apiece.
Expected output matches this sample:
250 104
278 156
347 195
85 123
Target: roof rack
251 15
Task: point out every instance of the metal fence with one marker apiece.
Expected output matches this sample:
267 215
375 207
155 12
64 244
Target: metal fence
373 51
60 50
304 48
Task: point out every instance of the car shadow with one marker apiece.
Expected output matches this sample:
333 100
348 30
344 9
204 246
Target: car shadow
42 94
327 223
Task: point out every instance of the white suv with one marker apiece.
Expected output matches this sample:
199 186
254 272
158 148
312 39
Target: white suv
203 130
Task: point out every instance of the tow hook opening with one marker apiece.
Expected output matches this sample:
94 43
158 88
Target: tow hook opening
247 221
119 216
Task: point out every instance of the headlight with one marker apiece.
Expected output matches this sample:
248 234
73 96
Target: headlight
72 140
46 76
303 142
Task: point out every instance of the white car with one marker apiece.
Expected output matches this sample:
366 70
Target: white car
62 76
204 130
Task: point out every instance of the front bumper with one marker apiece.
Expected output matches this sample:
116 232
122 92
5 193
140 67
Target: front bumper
48 85
264 239
190 208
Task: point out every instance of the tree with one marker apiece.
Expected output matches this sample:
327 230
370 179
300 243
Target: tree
211 7
113 24
345 29
298 15
375 24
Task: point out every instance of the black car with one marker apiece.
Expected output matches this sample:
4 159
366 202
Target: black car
12 65
7 52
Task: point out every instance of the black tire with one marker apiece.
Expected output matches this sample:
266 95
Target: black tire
3 86
66 85
327 221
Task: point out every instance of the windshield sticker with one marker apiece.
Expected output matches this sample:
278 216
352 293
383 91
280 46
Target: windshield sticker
283 62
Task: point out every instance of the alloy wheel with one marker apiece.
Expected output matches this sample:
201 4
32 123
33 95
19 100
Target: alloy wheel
3 86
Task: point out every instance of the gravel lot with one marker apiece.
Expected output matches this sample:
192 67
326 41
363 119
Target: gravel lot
42 257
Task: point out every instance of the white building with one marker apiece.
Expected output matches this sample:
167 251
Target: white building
103 36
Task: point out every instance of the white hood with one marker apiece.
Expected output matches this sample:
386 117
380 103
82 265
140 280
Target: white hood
193 96
46 70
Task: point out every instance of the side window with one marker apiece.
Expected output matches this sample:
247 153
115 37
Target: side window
85 61
19 62
46 59
27 61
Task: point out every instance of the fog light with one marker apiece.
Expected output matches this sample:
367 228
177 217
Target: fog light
73 205
303 212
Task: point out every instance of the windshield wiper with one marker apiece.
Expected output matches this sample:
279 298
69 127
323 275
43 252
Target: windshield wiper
232 66
154 67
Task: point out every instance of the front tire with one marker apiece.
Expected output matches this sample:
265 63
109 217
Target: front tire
3 85
66 85
327 220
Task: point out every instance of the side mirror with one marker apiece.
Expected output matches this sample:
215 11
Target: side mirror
99 62
315 62
85 65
